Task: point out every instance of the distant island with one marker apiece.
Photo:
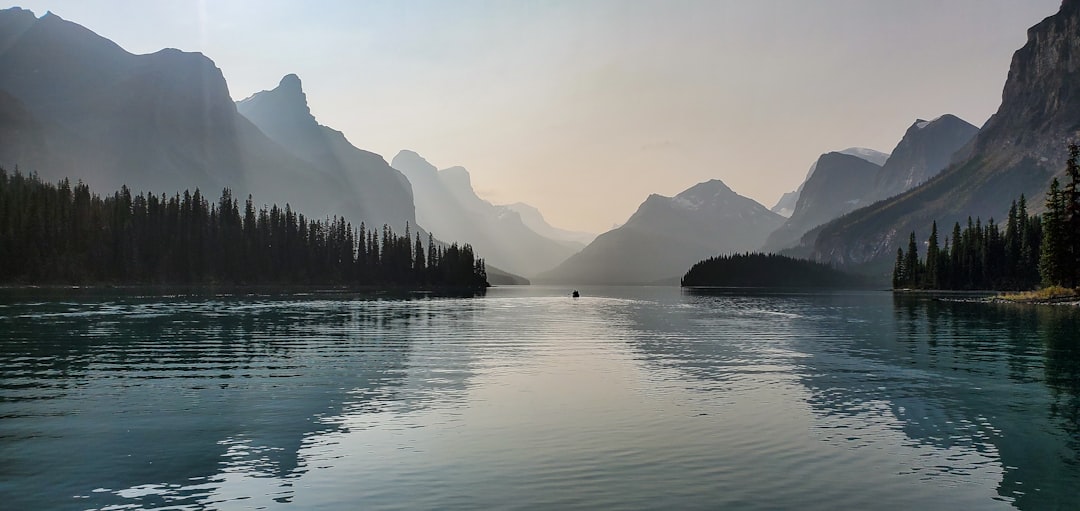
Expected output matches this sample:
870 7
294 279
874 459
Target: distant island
768 270
59 234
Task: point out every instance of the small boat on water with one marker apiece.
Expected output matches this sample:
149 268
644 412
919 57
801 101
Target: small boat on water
576 294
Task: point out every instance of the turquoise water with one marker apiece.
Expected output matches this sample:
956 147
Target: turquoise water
625 398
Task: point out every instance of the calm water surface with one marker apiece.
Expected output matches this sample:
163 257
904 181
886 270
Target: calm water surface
626 398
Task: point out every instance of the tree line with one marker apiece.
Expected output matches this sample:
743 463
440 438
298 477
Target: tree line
766 270
1033 250
64 234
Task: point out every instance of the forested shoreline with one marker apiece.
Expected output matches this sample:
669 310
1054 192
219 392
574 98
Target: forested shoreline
63 234
1033 250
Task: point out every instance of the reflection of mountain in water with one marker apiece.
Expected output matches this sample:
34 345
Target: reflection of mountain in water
180 393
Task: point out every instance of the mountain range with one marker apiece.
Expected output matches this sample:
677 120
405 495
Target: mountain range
76 105
666 235
378 194
1018 151
838 184
81 107
447 205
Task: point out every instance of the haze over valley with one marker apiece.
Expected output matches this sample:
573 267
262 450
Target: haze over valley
165 121
595 254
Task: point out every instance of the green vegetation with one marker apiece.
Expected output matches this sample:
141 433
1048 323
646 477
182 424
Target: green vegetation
59 234
766 270
1045 295
1032 251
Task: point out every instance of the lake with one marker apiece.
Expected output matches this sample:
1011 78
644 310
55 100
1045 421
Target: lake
526 398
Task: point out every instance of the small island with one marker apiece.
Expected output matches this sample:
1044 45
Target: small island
768 270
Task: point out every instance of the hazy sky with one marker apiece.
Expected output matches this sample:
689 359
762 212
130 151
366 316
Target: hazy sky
584 107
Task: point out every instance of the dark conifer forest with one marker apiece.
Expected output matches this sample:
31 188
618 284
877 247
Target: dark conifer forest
65 234
766 270
1032 251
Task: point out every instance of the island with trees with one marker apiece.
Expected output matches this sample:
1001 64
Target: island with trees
768 270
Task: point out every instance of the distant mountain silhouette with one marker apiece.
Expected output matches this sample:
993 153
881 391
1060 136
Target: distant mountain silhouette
836 186
669 234
786 205
533 219
447 205
1018 151
79 106
378 193
926 149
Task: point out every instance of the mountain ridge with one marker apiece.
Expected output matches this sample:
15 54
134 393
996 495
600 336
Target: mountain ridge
666 235
1018 151
379 194
448 206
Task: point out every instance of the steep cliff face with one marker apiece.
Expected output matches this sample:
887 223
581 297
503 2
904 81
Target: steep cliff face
373 191
162 120
1017 152
926 149
785 207
1041 100
74 104
837 185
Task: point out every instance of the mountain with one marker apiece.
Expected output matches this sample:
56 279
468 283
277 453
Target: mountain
786 205
379 194
75 105
100 110
926 149
837 184
1018 151
82 107
533 219
448 207
666 235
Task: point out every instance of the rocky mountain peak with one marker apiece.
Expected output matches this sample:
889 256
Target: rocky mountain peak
410 163
290 83
711 187
1042 92
287 99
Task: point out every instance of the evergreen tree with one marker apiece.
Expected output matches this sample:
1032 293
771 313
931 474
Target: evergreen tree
66 234
1071 220
931 277
1053 249
898 277
911 263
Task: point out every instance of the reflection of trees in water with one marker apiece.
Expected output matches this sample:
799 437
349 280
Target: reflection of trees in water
1061 334
174 393
1034 351
1001 383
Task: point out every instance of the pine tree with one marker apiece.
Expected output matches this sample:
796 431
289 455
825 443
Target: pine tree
1071 220
1053 249
898 277
911 263
419 265
931 277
